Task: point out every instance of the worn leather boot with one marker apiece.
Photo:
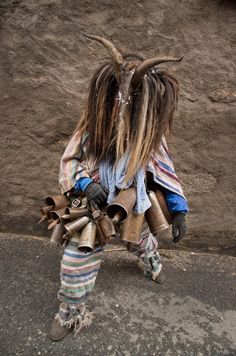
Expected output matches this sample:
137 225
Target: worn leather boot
57 332
160 278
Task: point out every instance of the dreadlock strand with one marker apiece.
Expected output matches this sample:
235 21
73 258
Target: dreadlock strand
100 118
123 117
137 153
169 99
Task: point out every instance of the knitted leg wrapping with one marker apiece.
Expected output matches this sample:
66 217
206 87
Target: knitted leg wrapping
152 264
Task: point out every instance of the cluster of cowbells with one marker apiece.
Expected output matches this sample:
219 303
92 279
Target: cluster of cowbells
93 227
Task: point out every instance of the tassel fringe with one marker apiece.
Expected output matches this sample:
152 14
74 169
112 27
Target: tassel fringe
81 318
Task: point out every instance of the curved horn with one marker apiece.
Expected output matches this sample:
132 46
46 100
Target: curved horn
148 64
116 55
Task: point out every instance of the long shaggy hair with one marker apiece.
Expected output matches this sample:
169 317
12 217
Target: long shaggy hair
122 119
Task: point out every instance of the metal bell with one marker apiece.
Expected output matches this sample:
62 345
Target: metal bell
119 209
76 225
132 228
154 215
57 201
87 237
57 234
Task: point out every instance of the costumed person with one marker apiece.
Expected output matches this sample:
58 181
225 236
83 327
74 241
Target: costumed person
119 144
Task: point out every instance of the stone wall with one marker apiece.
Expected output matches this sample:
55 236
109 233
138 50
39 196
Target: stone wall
46 65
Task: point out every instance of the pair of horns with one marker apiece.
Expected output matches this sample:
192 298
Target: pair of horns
118 60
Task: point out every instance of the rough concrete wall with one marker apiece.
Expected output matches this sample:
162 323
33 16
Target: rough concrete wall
45 68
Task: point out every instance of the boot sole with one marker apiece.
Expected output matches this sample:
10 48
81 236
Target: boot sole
59 337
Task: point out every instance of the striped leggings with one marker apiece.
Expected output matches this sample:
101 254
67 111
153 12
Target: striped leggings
79 272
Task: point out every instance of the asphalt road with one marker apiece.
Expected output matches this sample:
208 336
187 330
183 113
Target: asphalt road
193 313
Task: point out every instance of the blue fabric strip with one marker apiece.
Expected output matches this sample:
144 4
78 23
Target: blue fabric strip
164 165
176 203
80 275
82 183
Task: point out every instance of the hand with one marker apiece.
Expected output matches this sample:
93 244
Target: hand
178 226
95 193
